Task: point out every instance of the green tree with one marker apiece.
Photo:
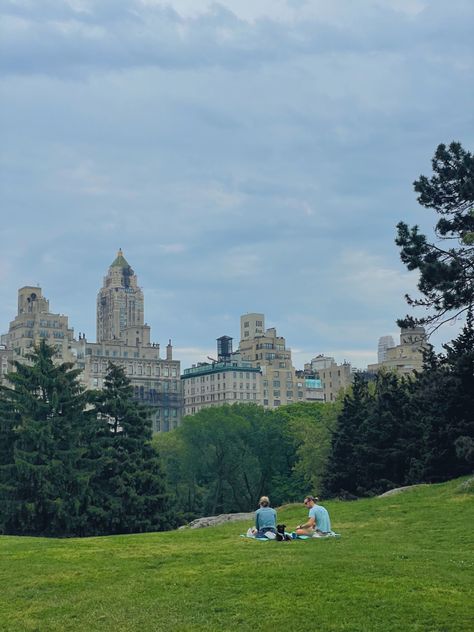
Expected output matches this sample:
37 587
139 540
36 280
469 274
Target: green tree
44 478
310 426
446 264
345 470
224 458
128 490
445 405
386 435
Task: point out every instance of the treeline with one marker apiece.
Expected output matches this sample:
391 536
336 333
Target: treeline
223 459
401 431
76 463
384 433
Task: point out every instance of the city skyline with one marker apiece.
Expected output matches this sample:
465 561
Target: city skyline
187 358
247 157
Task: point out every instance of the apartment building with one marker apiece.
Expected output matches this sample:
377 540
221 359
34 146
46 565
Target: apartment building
34 321
265 350
406 357
122 338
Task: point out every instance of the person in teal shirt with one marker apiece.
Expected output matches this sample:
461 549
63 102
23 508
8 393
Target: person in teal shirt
265 518
319 523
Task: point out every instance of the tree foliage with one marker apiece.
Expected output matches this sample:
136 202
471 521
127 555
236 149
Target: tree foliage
407 430
224 458
445 264
72 463
128 489
44 478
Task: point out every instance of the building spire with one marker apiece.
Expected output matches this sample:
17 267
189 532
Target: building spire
120 261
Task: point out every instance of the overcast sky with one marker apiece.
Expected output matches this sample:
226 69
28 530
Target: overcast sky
246 155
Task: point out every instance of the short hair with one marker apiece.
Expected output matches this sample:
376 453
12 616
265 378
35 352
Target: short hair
264 501
313 498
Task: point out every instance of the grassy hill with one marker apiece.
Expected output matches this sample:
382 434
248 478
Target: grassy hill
404 562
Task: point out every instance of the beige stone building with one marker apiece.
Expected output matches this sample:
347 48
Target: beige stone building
34 322
124 339
332 377
120 304
6 357
406 357
227 380
264 349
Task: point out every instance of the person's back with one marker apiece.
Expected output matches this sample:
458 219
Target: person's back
265 517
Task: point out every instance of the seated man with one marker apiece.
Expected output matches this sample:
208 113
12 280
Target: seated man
318 523
265 519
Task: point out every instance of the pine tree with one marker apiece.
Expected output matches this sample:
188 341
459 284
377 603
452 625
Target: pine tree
43 477
385 444
446 403
446 264
128 490
345 473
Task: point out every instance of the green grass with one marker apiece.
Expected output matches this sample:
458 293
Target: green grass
404 562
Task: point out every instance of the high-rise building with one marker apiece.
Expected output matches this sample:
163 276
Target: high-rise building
120 303
406 357
228 380
6 356
252 326
124 339
385 342
33 322
267 351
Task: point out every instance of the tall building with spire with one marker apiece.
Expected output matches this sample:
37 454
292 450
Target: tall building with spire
124 339
119 302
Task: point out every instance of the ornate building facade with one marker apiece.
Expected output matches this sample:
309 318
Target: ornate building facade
124 339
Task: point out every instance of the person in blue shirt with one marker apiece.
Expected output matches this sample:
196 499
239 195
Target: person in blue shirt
265 518
319 523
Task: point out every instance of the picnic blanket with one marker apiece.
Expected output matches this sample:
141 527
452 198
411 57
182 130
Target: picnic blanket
293 536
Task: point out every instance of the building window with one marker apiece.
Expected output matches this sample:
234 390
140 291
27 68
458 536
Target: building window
276 402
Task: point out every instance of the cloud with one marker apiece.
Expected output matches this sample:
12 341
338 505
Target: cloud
367 278
79 38
247 156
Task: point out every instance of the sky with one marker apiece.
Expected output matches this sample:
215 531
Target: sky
246 155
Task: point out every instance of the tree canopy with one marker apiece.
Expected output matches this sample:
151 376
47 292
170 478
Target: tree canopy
75 463
445 263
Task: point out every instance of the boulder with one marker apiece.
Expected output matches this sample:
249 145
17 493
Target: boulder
214 521
399 490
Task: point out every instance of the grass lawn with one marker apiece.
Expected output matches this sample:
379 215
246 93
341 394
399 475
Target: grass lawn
404 562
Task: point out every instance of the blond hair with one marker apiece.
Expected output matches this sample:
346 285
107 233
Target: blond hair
264 501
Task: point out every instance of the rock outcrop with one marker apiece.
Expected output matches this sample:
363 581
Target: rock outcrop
214 521
399 490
